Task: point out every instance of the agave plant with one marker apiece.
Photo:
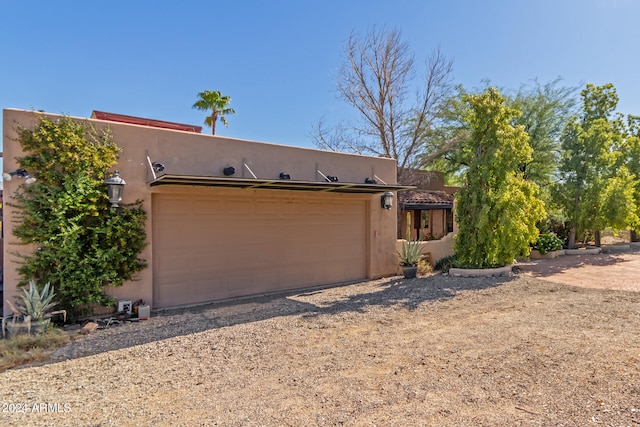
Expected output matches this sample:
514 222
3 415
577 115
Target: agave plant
410 254
35 304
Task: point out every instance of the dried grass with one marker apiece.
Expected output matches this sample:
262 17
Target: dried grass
24 349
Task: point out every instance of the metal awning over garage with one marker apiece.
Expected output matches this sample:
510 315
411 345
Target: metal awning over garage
275 184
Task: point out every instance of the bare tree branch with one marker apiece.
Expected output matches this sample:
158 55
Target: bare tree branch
377 72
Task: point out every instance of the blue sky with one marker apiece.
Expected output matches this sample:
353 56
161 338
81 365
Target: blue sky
277 59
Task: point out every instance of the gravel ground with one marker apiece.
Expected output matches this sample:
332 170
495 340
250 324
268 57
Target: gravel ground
438 350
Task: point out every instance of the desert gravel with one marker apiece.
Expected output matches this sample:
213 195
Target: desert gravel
438 350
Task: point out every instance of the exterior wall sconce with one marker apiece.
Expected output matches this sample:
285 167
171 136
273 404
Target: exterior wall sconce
115 186
228 171
20 173
386 200
284 175
370 181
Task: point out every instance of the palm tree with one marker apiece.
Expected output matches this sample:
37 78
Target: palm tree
214 101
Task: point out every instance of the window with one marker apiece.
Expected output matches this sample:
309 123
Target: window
425 219
421 220
421 223
449 220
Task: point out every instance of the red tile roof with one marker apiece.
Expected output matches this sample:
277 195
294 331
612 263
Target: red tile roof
415 199
122 118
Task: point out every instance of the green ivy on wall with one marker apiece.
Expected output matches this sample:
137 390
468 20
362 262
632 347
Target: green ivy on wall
83 244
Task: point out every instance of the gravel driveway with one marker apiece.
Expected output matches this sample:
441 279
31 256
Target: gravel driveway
430 351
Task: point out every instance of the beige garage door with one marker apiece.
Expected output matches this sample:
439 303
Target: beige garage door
208 247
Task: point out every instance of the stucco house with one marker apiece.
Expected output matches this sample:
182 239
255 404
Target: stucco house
230 217
427 213
427 210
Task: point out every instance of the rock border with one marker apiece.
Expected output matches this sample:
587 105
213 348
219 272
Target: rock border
616 248
583 251
505 271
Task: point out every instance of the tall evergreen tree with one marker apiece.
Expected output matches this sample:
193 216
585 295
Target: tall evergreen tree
497 209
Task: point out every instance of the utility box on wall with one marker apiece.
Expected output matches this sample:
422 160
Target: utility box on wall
125 306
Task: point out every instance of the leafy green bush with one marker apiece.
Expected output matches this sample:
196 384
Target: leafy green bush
83 243
497 209
446 263
548 242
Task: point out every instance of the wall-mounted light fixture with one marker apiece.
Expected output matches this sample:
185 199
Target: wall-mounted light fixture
386 200
157 167
370 181
229 170
115 187
20 173
284 175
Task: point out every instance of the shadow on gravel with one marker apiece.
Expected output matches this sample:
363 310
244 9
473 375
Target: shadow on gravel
549 267
411 293
405 293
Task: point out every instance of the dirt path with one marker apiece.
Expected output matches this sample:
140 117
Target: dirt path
619 271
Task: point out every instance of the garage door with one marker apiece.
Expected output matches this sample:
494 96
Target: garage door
208 247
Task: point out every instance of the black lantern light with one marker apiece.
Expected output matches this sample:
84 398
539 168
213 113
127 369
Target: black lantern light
386 200
115 186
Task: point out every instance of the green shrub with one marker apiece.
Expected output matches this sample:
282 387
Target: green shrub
548 242
83 243
446 263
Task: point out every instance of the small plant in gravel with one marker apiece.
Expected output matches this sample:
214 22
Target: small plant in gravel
36 304
424 267
32 311
446 263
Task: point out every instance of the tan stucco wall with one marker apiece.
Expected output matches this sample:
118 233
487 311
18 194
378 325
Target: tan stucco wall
438 249
185 153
